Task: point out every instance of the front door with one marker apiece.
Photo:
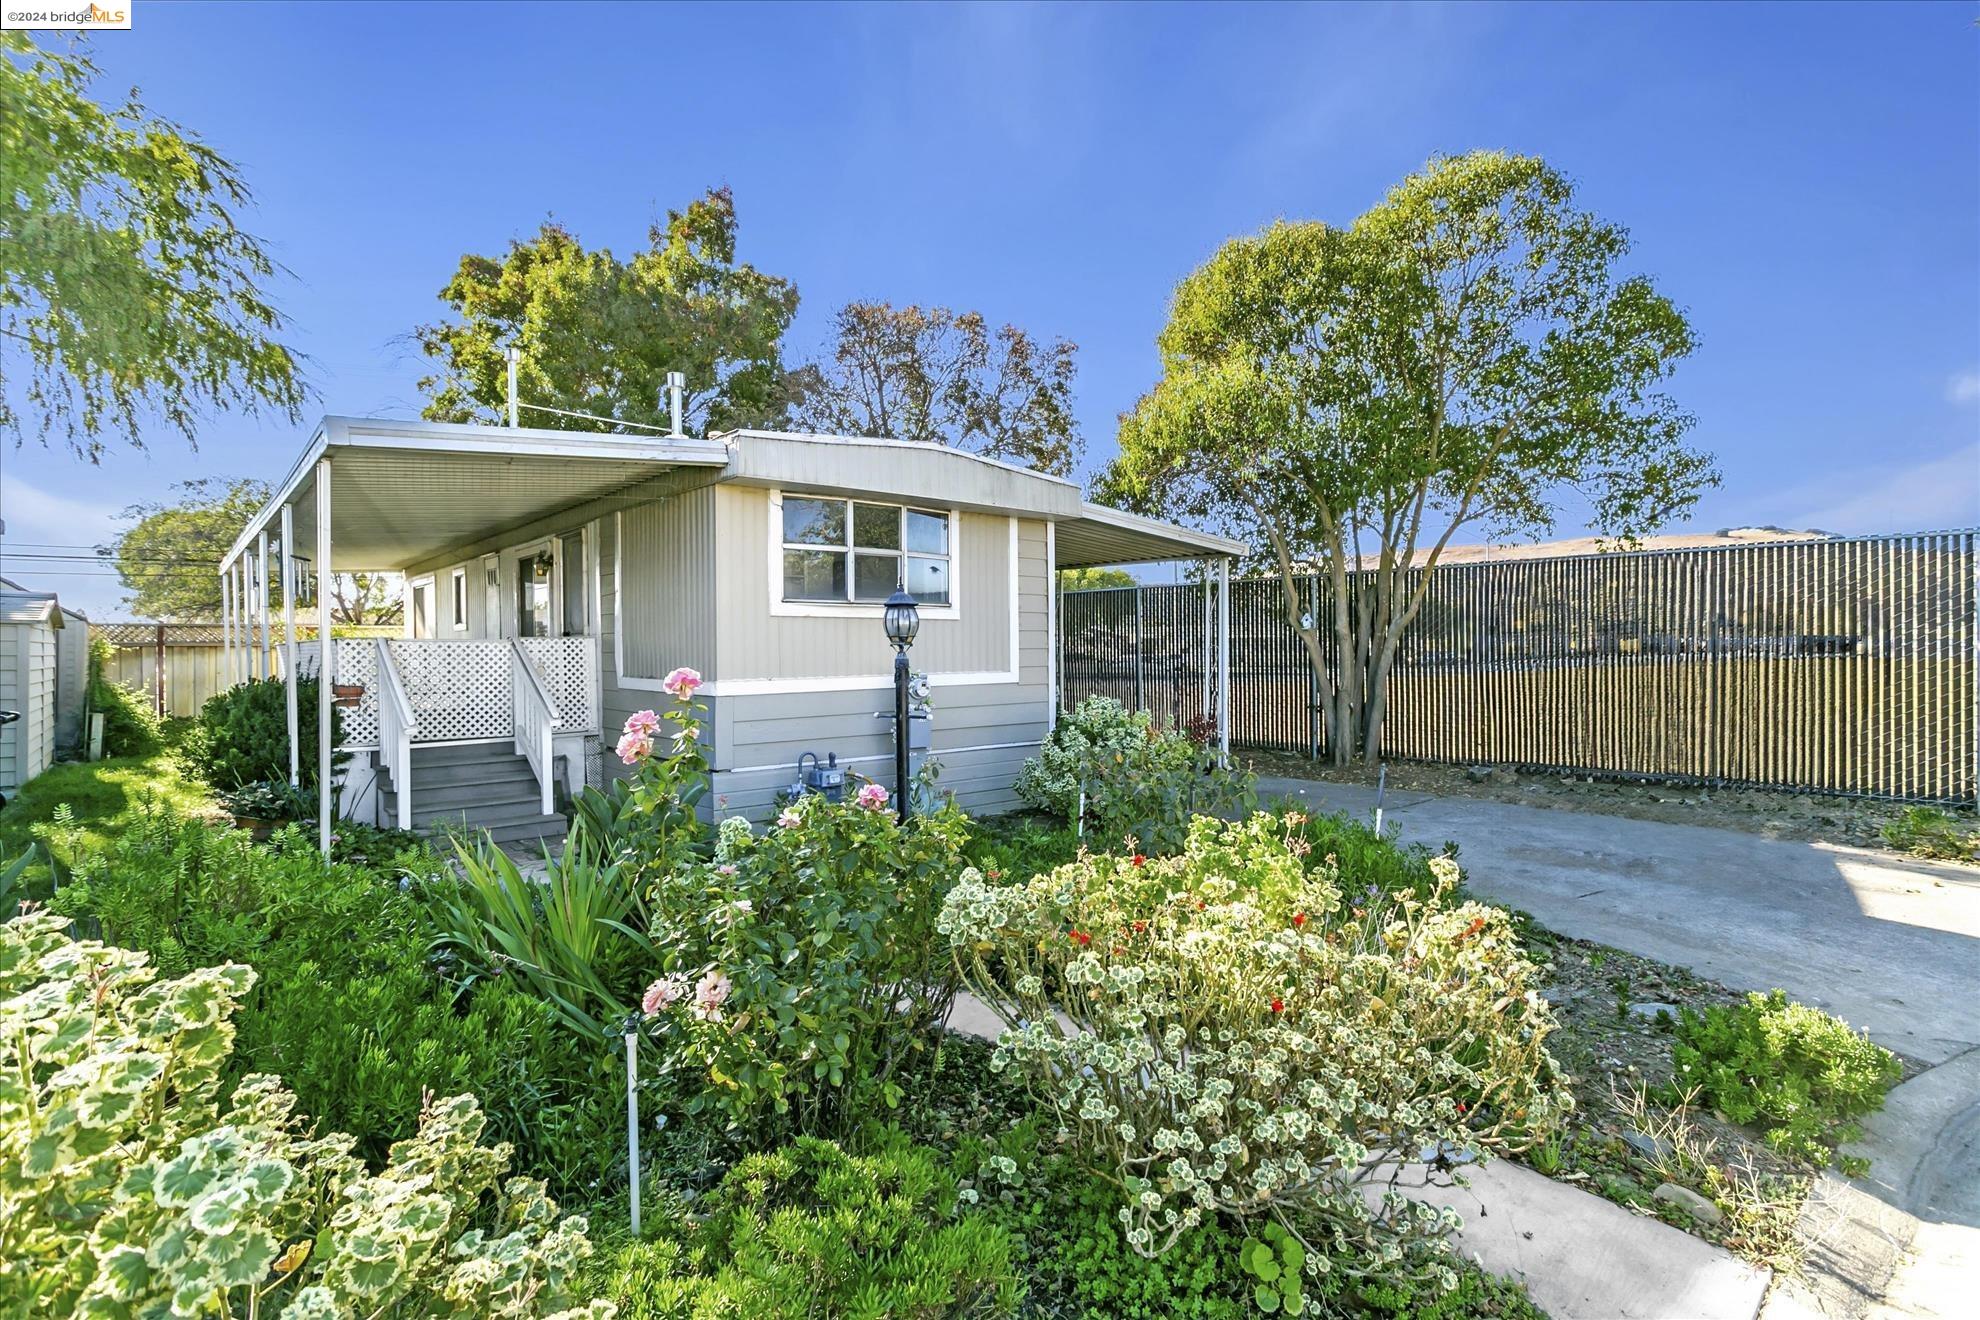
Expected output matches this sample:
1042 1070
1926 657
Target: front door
535 577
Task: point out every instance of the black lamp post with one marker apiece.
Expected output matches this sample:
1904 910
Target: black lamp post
902 618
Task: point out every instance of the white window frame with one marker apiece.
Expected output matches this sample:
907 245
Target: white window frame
414 586
851 609
457 598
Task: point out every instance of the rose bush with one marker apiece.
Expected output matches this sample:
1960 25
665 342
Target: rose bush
800 970
1237 1038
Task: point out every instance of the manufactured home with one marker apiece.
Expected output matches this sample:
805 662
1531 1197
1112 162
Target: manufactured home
554 578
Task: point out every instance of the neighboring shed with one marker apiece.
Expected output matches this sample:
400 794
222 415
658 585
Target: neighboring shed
29 623
71 678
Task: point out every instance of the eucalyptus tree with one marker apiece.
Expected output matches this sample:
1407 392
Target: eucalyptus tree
1468 353
947 377
129 294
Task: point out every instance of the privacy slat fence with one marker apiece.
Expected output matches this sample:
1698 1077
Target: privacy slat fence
1844 665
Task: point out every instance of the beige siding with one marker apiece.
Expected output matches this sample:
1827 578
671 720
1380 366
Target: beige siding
670 585
756 644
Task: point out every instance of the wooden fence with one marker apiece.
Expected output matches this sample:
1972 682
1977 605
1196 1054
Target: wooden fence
1844 665
177 666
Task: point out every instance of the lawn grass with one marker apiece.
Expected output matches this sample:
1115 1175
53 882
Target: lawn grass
105 797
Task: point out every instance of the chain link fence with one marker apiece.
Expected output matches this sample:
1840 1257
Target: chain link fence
1842 665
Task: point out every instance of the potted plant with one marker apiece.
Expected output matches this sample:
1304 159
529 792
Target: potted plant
260 807
347 694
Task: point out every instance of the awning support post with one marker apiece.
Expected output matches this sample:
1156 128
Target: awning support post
266 644
226 625
1052 626
289 643
326 664
1224 661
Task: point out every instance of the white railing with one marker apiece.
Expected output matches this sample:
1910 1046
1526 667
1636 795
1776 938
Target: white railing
536 719
569 668
397 727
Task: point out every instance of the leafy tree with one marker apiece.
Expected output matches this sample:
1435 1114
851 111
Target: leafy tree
1093 579
127 290
169 558
930 374
599 335
1466 353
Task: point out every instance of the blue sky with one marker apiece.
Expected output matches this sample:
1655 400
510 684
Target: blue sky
1804 180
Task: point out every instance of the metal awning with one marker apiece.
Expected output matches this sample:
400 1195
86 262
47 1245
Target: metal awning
407 492
1101 535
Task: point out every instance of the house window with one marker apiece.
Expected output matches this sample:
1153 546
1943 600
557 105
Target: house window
853 551
458 593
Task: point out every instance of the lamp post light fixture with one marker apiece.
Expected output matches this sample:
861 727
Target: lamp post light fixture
902 620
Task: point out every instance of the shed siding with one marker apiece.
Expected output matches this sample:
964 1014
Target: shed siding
27 684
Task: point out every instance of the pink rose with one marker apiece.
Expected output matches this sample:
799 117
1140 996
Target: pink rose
681 683
788 817
872 797
634 748
663 994
643 722
709 994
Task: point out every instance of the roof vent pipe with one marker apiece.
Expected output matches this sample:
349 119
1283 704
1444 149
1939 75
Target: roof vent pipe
676 383
515 359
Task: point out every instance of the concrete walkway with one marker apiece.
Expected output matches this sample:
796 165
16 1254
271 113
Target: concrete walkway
1888 943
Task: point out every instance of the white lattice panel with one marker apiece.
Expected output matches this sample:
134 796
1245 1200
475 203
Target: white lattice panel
458 690
357 662
565 664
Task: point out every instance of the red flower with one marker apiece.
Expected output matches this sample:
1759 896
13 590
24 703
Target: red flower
1299 919
1139 926
1081 938
1462 1106
1278 1005
1136 860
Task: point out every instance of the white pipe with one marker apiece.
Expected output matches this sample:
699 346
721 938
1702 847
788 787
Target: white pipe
632 1122
676 383
326 650
289 643
1224 660
515 357
261 598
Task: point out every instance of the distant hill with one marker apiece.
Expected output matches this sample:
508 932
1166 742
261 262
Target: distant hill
1594 545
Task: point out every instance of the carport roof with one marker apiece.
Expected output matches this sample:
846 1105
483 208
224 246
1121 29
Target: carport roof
402 492
1100 535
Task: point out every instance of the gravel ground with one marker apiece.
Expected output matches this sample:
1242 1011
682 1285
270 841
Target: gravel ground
1808 817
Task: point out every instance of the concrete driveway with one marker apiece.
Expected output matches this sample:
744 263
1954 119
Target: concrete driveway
1887 943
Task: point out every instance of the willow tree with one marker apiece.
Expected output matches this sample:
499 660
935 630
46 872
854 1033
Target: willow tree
130 298
1466 354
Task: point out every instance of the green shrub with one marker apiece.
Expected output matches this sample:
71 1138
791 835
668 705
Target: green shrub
809 1230
800 971
1017 847
1237 1027
1138 784
1931 832
130 721
127 1187
243 734
1798 1072
1370 865
345 1005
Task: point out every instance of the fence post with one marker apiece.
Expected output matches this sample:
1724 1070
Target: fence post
1140 702
160 684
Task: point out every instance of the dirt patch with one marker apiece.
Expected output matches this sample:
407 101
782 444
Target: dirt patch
1807 817
1622 1142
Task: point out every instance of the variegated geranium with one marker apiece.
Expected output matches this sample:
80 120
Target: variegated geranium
1221 1031
127 1188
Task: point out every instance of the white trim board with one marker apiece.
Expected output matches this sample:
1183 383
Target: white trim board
936 753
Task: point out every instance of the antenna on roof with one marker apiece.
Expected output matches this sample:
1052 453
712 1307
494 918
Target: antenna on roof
676 383
515 359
